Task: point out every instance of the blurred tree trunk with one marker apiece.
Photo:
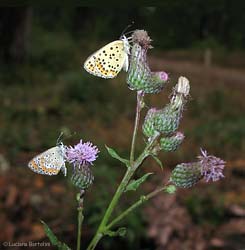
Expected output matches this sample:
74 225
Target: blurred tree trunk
15 25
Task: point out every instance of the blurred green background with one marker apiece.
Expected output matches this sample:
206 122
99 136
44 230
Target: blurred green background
45 90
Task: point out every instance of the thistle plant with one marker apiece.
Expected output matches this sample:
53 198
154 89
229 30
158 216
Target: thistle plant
160 134
81 158
160 131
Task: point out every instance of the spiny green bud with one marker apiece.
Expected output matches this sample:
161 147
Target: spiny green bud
139 72
186 175
163 121
82 177
139 76
171 143
148 127
168 120
156 82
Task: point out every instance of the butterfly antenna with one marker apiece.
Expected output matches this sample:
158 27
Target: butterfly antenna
65 136
59 141
127 27
129 32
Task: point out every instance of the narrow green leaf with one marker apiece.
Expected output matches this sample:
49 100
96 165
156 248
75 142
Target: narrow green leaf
120 232
158 161
115 155
53 239
134 184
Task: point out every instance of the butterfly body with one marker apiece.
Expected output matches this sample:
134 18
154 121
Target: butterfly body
108 61
50 162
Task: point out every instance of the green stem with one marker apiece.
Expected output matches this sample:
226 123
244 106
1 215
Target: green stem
142 200
80 218
130 171
111 206
136 125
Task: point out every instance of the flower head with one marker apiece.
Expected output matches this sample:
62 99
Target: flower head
142 38
82 154
208 168
140 77
211 166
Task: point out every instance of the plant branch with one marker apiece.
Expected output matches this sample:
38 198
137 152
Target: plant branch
80 218
142 200
130 171
136 124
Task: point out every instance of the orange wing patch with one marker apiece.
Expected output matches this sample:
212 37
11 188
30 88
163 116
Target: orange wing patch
102 70
33 165
91 67
50 171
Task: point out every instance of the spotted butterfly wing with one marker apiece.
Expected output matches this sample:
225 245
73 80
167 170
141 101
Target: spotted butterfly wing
50 162
108 61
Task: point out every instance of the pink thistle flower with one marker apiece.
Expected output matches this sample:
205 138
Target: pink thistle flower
211 166
163 76
82 154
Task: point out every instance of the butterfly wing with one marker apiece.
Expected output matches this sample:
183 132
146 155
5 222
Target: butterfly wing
50 162
108 61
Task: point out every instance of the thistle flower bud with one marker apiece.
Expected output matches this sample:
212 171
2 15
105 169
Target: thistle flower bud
186 175
82 177
171 143
82 155
156 82
164 121
181 92
139 76
168 119
148 127
208 167
139 72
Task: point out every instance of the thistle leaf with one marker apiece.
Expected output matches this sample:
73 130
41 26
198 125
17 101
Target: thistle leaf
115 155
134 184
157 161
53 239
